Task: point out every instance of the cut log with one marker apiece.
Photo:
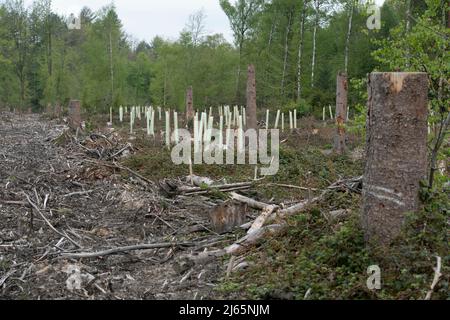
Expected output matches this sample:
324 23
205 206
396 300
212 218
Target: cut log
250 202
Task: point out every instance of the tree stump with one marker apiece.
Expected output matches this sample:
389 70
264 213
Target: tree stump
252 122
74 114
58 111
190 113
396 152
48 109
341 112
225 217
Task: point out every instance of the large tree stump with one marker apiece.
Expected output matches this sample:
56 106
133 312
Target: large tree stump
341 112
48 109
252 122
58 111
396 152
225 217
74 114
190 114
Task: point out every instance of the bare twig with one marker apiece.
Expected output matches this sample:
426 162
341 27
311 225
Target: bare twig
133 173
291 186
6 276
164 221
186 276
230 266
124 249
307 294
118 166
79 193
221 189
224 188
120 151
16 203
48 222
45 201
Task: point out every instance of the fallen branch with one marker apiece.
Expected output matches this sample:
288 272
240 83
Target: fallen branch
199 181
230 266
6 276
16 203
93 136
222 188
117 166
270 212
48 222
133 173
437 276
92 151
236 248
253 238
213 190
120 151
124 249
299 207
80 193
261 220
352 184
291 186
250 202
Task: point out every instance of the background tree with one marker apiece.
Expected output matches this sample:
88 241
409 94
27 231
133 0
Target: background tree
242 15
15 22
427 44
297 48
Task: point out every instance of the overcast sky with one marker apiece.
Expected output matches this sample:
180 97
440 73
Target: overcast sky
144 19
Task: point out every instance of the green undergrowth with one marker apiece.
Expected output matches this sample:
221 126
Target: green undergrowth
155 163
330 258
306 167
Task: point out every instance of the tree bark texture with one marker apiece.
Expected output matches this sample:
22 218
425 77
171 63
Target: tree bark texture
396 152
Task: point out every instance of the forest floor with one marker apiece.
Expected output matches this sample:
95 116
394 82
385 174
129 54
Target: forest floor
97 208
63 194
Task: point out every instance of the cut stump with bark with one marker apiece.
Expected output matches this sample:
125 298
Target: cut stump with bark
252 122
396 152
341 112
225 217
74 114
189 106
57 111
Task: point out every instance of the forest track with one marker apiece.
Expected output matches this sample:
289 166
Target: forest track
97 214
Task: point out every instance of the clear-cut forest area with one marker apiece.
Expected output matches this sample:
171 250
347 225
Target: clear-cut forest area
306 159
